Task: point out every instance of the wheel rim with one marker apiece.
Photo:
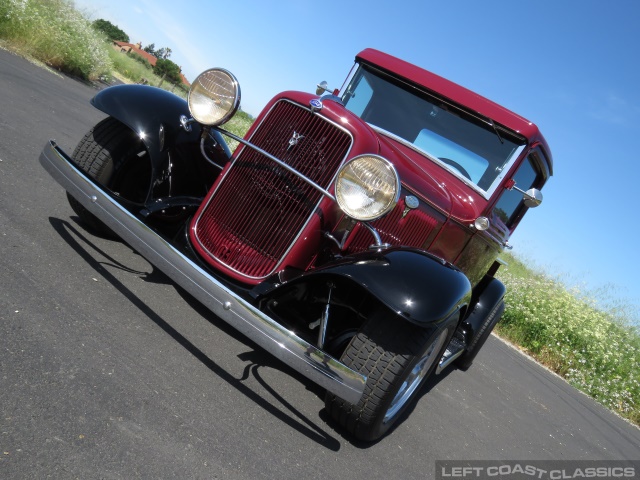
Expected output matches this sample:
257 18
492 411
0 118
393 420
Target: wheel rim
415 377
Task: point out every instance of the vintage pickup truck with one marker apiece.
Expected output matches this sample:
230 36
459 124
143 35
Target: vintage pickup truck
353 233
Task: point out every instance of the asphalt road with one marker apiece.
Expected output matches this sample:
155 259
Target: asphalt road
107 370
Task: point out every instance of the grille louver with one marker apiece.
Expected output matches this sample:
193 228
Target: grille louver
413 230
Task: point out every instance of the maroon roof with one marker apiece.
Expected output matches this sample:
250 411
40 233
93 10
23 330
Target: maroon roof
449 90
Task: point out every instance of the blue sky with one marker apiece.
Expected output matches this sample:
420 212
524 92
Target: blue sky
572 67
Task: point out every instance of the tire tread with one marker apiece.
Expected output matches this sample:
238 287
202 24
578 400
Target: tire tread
95 154
382 350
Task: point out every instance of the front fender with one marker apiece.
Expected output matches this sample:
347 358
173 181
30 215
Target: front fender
152 113
419 287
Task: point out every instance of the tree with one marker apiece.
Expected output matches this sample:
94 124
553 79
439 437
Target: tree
110 30
167 69
164 52
151 49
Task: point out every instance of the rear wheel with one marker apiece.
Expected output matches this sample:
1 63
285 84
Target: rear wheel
397 357
115 157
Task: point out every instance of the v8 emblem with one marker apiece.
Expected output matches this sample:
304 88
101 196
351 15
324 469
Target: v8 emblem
295 138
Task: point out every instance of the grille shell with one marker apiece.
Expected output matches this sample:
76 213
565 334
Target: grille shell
257 210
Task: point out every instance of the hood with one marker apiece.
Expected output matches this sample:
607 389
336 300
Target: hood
433 183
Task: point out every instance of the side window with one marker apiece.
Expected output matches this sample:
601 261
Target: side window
510 207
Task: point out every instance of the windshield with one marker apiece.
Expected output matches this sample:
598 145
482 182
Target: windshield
471 147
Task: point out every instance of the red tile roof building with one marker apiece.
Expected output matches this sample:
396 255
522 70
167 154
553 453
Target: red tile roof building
125 47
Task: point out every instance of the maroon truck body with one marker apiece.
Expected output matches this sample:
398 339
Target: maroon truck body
443 224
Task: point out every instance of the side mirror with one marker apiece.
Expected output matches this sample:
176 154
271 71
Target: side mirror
532 197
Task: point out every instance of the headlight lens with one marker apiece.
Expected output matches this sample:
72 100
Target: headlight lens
214 97
367 187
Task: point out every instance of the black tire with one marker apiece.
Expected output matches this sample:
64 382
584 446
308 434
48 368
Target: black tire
103 153
465 360
397 358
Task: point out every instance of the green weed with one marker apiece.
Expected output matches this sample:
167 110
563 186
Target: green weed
238 125
54 32
594 349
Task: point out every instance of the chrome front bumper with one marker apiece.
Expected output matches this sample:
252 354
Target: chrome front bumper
307 359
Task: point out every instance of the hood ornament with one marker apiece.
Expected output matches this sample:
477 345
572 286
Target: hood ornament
295 139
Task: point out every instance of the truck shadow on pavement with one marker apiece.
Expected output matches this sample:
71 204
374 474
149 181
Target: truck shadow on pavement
81 243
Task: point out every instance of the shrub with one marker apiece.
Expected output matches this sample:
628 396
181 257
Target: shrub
168 69
112 32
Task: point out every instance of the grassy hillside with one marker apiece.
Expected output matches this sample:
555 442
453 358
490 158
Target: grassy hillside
55 33
594 349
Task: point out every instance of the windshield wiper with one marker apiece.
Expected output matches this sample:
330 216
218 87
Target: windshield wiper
495 129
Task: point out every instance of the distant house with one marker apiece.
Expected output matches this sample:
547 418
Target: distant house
125 47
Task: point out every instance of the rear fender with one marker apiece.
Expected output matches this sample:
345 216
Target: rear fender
492 294
417 286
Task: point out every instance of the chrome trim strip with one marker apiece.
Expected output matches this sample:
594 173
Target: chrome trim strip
305 358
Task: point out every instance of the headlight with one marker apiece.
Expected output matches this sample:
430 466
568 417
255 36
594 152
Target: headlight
214 97
367 187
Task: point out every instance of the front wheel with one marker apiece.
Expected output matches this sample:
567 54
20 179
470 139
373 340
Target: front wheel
397 358
115 157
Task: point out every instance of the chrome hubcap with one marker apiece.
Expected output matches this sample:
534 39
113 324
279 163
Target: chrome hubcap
415 377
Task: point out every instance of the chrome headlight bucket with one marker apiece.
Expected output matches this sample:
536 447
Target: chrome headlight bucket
214 97
367 187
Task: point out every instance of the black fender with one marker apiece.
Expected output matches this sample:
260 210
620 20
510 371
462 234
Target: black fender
489 297
154 115
419 287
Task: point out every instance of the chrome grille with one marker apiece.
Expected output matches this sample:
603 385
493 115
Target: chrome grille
259 208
